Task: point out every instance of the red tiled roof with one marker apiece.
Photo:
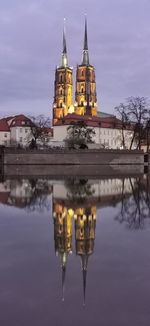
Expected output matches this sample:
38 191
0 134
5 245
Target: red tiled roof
4 126
20 120
91 121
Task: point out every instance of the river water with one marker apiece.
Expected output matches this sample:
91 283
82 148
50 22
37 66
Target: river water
75 251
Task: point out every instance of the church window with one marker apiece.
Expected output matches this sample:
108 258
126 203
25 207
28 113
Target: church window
81 231
60 228
82 73
61 105
61 91
61 78
82 89
81 103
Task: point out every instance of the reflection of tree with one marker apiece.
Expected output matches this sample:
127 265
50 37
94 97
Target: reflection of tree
39 201
78 190
135 208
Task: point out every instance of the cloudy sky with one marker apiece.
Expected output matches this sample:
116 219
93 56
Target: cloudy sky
31 43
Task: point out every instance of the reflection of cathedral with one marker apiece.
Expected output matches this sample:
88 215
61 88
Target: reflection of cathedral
63 236
84 223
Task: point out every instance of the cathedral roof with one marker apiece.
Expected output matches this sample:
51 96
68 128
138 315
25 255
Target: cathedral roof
91 121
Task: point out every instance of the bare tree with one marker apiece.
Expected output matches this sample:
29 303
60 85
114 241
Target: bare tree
135 111
122 113
40 130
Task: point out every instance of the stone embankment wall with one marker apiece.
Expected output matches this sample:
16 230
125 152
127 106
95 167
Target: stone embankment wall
61 172
73 157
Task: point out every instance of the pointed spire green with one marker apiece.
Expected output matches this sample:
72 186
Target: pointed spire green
85 59
64 59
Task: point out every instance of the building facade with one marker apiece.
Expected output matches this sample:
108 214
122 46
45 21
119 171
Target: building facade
19 131
15 131
108 129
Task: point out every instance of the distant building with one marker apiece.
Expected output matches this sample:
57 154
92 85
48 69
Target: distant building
4 133
17 130
107 127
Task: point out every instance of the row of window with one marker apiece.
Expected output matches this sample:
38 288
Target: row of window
21 130
23 123
108 132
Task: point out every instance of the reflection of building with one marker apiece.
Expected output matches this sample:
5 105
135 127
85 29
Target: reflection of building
62 236
22 193
85 223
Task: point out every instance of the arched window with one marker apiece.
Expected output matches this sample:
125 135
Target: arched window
61 78
61 92
82 89
60 104
82 73
81 103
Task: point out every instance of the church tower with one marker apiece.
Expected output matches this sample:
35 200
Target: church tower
85 96
63 85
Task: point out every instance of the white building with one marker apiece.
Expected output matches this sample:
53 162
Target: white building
17 130
4 133
108 130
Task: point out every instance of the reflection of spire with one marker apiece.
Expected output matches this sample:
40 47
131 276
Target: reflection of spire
64 61
85 60
63 282
85 222
63 258
84 273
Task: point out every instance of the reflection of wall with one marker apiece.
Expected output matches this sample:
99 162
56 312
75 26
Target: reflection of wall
101 188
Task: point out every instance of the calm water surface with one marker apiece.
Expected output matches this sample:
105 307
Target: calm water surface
75 252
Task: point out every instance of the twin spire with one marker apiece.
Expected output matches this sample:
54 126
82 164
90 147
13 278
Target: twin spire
85 57
64 62
85 60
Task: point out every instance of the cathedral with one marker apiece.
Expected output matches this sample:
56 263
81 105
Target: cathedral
70 108
85 90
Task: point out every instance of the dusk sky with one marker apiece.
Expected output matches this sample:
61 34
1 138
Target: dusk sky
31 44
